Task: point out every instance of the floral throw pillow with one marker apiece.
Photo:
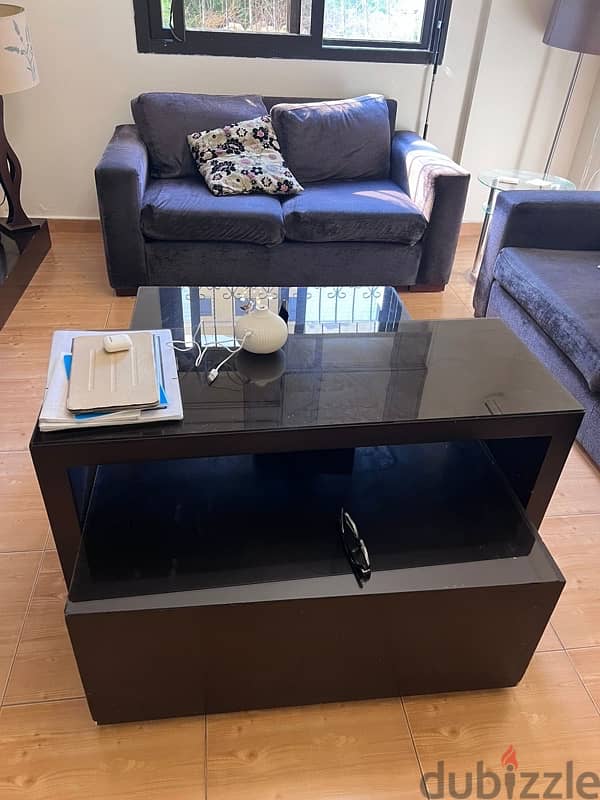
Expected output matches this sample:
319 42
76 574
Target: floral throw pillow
242 158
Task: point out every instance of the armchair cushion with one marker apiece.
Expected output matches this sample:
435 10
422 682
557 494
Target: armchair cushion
164 119
353 211
560 290
538 219
184 210
335 139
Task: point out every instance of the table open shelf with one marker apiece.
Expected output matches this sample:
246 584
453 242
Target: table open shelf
238 521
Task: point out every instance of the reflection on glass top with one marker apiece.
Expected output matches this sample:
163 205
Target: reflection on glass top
351 359
212 311
523 179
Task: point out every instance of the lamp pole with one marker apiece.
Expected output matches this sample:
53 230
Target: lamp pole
436 62
563 115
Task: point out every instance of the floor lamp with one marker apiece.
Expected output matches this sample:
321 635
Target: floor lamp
573 25
18 71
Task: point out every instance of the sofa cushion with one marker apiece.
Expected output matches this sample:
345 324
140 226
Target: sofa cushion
353 211
164 120
560 290
335 139
243 158
183 209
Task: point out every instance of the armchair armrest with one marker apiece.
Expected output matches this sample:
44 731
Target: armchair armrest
438 187
121 178
541 219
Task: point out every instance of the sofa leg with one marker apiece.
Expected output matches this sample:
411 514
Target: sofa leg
422 287
126 291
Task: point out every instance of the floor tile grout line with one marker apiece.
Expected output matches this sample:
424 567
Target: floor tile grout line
459 298
20 703
582 682
108 315
50 701
566 516
23 552
414 745
582 647
556 633
22 627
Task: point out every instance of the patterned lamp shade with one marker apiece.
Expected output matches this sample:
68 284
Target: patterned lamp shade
18 69
575 25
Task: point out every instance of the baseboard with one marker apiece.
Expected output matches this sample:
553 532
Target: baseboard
74 225
470 229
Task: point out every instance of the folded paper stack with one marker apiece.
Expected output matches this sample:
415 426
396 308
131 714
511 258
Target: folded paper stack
89 388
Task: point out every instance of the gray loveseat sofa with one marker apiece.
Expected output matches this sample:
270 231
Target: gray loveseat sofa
541 275
162 226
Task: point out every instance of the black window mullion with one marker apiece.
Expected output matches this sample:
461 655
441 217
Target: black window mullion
294 16
316 21
157 30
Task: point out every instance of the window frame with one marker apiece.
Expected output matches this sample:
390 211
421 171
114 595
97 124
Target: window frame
152 37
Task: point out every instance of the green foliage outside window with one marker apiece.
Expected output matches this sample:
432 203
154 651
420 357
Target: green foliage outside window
385 20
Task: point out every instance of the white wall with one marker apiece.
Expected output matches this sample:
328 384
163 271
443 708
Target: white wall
520 91
90 69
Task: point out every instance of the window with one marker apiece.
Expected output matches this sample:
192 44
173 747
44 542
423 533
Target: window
347 30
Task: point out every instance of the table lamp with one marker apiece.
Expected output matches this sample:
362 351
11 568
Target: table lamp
18 71
573 25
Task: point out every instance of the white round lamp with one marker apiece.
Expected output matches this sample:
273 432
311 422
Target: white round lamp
261 331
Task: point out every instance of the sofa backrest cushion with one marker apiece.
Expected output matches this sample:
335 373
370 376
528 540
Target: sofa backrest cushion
335 139
271 101
164 120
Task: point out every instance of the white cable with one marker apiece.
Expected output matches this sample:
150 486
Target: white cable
185 347
593 178
214 373
590 158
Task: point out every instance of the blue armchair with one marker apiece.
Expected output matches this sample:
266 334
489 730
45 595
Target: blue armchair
541 275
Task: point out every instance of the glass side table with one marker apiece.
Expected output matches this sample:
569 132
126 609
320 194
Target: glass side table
503 180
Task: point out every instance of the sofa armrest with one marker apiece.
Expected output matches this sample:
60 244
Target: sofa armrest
121 178
438 187
542 219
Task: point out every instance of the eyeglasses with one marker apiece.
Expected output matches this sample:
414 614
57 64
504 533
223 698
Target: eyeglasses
356 549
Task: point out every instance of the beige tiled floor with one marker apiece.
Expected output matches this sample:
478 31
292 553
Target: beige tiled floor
50 749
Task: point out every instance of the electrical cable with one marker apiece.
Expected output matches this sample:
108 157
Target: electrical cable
590 158
436 64
592 179
214 373
174 34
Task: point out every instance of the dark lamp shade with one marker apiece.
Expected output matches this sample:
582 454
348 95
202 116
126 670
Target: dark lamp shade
575 25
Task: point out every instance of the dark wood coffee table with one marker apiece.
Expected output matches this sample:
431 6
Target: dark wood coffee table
207 565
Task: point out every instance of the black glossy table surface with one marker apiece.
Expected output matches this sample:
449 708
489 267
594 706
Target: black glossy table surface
350 360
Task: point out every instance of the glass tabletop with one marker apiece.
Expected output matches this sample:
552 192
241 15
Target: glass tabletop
352 359
520 179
